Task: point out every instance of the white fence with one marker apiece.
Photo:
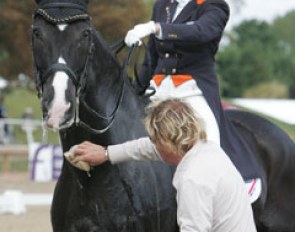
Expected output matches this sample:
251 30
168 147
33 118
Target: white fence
7 126
45 160
280 109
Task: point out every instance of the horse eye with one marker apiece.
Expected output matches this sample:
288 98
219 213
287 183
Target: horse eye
36 33
86 34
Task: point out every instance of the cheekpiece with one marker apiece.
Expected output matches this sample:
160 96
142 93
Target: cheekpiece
65 11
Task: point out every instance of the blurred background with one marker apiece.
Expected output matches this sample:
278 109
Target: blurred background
256 70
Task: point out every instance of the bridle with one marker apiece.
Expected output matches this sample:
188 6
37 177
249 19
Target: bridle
80 83
117 47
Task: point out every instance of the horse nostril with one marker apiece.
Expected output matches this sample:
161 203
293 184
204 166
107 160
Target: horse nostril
59 115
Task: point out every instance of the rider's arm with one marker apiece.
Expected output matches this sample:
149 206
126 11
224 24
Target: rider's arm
208 25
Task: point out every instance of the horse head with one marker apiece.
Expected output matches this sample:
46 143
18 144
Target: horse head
61 51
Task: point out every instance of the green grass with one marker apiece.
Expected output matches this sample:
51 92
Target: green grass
16 164
16 102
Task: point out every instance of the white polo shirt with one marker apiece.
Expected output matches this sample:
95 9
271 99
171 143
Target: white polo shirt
211 194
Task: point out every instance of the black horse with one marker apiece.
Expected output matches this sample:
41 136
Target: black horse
86 96
82 89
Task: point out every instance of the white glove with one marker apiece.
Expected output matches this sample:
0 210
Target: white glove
140 31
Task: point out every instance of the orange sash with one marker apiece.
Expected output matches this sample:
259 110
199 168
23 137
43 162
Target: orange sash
176 79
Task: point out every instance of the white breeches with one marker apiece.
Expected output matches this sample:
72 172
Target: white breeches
190 92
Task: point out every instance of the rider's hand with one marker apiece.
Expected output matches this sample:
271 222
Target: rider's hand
140 31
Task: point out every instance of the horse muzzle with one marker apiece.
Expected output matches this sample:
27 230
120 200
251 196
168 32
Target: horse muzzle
59 117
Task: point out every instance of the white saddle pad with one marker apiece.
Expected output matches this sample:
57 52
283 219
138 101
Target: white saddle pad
253 189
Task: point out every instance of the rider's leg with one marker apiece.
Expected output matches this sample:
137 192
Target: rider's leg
190 92
202 109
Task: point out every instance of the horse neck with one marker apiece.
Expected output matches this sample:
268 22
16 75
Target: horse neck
104 81
109 93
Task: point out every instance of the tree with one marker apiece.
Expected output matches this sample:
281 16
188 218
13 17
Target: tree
255 54
284 26
112 17
115 17
15 55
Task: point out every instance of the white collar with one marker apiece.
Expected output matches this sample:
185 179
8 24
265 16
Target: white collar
183 2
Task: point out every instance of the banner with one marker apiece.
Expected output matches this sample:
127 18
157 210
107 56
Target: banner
45 161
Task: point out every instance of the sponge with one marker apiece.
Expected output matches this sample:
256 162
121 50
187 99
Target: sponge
70 155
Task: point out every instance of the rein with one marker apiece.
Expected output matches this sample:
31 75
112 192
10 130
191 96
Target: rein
117 47
111 117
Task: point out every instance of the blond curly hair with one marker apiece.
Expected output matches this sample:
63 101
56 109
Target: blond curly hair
173 124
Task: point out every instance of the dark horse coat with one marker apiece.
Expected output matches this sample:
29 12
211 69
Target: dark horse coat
134 196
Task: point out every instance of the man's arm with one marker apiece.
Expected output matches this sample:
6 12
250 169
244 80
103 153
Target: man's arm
93 154
140 149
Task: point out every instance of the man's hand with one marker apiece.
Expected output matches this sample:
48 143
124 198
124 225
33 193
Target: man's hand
70 155
140 31
89 153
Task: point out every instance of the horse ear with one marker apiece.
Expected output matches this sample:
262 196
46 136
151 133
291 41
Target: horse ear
39 1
